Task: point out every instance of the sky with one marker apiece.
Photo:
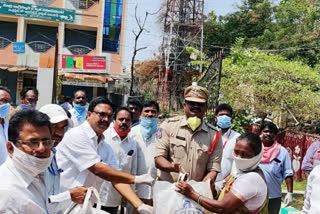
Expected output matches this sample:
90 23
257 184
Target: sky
152 38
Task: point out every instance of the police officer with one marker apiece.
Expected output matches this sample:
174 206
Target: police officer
187 143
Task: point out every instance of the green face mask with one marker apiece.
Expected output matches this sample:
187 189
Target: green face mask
194 122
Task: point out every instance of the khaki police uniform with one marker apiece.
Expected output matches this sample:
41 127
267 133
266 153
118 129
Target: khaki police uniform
179 144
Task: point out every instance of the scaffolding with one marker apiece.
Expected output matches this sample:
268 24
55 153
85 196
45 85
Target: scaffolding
183 27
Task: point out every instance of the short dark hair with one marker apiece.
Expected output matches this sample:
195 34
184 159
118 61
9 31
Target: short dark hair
224 106
150 103
135 102
26 89
253 140
78 91
29 116
98 100
67 98
120 109
270 125
4 89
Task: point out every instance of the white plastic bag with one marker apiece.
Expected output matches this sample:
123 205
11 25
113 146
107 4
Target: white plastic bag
167 200
87 206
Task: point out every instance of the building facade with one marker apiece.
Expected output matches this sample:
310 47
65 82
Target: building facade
30 30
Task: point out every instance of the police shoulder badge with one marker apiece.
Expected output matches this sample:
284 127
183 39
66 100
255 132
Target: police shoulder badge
159 133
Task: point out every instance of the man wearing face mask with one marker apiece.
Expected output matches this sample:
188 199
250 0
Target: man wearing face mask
187 143
79 110
59 123
29 99
86 159
125 151
5 100
22 185
223 121
145 136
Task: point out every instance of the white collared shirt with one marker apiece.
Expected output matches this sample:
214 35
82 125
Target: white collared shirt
125 152
78 151
311 198
229 141
3 141
21 193
145 159
74 118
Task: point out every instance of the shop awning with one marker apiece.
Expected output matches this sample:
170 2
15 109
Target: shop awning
15 69
85 77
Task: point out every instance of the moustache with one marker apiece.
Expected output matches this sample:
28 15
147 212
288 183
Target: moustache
124 126
103 123
195 109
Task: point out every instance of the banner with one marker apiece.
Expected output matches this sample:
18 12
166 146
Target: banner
35 11
84 64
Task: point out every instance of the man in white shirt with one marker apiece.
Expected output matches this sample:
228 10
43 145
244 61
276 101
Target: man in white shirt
5 100
145 136
223 121
59 201
311 198
79 110
22 186
82 149
125 151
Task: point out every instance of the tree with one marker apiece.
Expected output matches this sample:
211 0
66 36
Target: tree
264 83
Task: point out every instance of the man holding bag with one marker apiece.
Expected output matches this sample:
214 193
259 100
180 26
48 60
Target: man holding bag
80 153
187 143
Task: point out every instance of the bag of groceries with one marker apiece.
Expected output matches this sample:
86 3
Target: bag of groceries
167 200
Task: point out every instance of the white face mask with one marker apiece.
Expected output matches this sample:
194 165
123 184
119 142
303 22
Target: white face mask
246 165
29 164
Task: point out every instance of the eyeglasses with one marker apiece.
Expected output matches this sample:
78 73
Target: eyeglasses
102 115
34 144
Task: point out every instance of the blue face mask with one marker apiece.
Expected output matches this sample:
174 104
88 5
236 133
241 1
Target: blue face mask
4 110
27 106
224 121
79 108
148 126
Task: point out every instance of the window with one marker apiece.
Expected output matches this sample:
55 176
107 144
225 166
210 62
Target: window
83 4
41 38
80 42
9 35
43 2
112 25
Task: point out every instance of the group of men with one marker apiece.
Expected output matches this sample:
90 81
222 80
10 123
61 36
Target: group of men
51 158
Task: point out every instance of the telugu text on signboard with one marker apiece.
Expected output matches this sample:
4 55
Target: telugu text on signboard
35 11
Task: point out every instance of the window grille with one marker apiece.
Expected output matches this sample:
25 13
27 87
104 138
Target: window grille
83 4
4 42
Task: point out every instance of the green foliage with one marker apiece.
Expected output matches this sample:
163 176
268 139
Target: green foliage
241 120
264 83
290 28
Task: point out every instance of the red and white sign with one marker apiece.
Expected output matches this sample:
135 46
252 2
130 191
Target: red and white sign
84 64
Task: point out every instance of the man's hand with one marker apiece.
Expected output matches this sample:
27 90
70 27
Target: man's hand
145 209
144 179
178 168
288 199
78 194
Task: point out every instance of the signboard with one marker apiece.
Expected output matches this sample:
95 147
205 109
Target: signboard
84 64
19 47
35 11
